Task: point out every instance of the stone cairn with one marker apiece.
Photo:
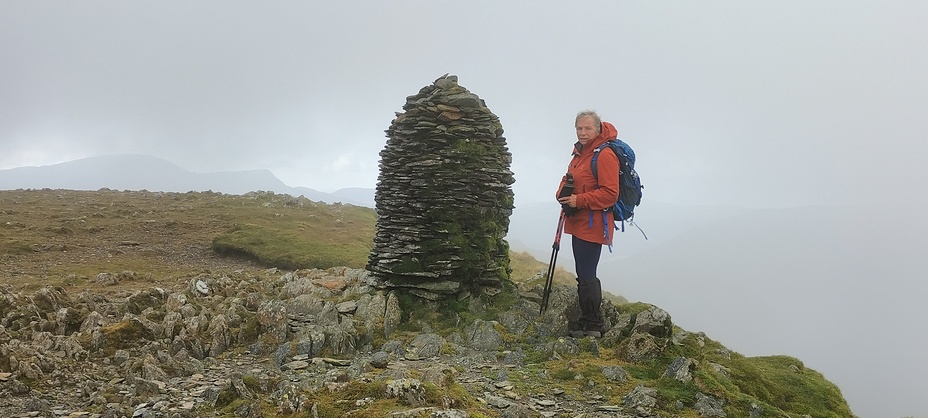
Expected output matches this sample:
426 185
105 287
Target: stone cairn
443 196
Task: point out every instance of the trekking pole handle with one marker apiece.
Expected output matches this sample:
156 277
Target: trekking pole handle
560 231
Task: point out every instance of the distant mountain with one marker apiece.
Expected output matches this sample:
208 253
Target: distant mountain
145 172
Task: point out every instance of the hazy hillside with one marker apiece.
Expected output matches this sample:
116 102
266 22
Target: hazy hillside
145 172
533 225
832 285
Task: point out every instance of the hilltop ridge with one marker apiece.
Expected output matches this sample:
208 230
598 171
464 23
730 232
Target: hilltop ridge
152 321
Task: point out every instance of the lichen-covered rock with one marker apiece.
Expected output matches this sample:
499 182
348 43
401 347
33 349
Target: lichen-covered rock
709 406
124 334
342 338
483 335
7 300
380 360
443 196
679 369
147 298
615 374
371 310
272 315
50 299
69 320
393 314
640 347
654 321
290 399
220 336
426 345
408 390
641 399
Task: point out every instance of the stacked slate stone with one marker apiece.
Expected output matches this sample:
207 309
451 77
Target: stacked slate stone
443 196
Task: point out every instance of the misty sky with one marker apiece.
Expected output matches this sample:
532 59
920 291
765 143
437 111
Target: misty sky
756 104
774 104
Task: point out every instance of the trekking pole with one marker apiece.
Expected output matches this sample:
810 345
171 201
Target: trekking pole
549 279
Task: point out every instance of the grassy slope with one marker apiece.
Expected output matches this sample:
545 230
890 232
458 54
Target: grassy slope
62 237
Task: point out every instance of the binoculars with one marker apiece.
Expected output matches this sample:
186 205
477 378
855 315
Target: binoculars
567 190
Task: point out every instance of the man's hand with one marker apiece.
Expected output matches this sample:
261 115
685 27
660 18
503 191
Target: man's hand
569 200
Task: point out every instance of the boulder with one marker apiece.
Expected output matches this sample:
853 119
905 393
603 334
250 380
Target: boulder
709 406
679 369
640 347
642 399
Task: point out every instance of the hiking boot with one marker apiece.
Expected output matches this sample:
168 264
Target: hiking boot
589 294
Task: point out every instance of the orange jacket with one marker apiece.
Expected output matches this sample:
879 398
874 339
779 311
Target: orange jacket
588 223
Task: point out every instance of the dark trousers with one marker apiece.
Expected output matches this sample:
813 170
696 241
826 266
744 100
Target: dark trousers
589 288
586 257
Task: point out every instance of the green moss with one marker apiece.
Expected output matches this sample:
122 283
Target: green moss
564 373
252 382
250 330
472 235
226 397
327 405
283 247
586 344
447 350
470 148
407 264
533 356
713 382
445 316
124 334
786 384
633 308
450 393
669 391
650 370
15 247
450 315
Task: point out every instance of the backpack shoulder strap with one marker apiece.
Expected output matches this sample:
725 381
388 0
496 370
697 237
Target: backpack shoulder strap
596 156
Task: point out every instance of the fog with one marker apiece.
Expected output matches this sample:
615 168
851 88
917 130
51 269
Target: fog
740 106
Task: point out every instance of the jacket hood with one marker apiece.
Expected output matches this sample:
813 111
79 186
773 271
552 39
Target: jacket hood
609 132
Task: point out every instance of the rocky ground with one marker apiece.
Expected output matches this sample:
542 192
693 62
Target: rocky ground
205 335
310 343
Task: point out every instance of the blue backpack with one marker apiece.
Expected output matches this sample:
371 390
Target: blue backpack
629 183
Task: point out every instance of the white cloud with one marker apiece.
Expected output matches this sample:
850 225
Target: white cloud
53 151
339 164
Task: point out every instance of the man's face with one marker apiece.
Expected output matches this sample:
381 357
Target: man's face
586 129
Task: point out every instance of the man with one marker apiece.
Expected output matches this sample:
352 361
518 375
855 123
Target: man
590 224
